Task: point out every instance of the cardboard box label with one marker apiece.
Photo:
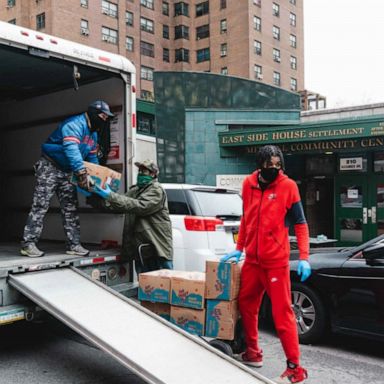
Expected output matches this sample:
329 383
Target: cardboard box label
188 290
221 319
101 176
155 286
223 280
191 320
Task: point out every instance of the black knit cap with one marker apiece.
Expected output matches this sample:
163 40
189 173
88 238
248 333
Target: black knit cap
266 153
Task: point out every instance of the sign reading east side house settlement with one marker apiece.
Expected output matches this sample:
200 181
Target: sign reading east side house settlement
282 136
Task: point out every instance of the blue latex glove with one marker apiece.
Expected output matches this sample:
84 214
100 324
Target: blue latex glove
83 192
104 193
304 270
232 255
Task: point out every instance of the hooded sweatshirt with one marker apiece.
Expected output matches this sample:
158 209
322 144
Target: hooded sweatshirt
267 215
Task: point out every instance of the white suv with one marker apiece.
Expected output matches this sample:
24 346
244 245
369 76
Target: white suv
205 223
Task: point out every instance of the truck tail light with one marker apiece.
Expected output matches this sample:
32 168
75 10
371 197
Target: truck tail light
198 223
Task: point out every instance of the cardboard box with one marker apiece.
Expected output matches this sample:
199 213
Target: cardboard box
102 176
223 280
161 309
191 320
155 286
188 289
221 319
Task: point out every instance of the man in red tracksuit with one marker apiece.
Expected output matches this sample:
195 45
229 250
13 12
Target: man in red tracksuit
271 202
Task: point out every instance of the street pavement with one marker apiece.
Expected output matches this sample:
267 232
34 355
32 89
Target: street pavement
50 353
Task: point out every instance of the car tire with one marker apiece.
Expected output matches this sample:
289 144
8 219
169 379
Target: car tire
221 346
310 313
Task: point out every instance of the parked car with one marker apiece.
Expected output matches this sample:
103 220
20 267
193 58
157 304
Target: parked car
344 294
205 223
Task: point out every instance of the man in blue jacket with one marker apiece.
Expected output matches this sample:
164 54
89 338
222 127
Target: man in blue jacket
75 140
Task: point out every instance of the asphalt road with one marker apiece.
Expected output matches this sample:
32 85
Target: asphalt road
49 353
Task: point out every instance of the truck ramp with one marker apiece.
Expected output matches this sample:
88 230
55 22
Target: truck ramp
148 345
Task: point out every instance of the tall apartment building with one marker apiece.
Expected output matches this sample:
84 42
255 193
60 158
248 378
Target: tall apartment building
255 39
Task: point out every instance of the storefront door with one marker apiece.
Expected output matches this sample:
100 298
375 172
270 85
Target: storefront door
359 202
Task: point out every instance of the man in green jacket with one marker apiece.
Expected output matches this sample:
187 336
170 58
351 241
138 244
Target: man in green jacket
147 234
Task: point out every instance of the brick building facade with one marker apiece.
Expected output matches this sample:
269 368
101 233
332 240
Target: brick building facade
254 39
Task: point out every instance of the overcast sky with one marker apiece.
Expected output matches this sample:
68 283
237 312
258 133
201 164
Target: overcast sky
344 50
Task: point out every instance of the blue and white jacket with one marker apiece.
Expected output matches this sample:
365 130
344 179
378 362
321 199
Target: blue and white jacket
72 143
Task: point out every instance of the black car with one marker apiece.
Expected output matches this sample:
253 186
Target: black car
345 292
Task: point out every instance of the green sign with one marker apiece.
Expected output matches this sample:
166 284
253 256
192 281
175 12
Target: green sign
293 135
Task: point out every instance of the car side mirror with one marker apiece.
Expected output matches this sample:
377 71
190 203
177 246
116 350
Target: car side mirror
374 255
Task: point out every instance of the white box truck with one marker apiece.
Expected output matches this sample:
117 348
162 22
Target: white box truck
44 79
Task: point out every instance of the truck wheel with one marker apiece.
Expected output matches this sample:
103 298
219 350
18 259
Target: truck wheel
221 346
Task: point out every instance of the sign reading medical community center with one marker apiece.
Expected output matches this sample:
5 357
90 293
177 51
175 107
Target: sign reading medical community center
369 134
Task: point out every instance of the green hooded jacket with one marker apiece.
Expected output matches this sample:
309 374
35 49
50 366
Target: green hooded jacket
146 219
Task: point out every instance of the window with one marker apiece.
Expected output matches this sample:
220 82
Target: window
84 27
146 122
292 19
202 55
275 9
129 43
292 2
84 3
165 31
223 4
224 71
292 41
147 49
165 8
223 26
11 3
293 84
147 3
146 73
182 54
293 62
202 32
181 9
129 18
109 35
109 8
276 78
276 55
202 8
258 72
166 55
223 49
276 32
257 23
146 25
13 21
40 21
181 32
146 95
257 47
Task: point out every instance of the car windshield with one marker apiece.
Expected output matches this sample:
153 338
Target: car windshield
219 203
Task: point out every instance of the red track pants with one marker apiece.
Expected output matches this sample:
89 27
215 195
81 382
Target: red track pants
254 282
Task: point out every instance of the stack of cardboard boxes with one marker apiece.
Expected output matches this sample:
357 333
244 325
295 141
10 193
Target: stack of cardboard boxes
200 303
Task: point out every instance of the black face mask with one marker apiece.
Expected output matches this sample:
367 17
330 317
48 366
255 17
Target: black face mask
269 174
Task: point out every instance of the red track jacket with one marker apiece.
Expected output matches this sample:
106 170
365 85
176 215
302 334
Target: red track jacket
266 218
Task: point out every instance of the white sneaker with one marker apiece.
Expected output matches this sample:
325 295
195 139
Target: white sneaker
77 250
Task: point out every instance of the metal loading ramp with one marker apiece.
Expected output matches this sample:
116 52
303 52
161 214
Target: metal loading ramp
151 347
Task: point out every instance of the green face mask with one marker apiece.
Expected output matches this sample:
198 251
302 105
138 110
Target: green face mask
143 180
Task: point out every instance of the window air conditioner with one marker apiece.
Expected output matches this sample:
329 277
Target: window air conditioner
105 38
85 31
259 76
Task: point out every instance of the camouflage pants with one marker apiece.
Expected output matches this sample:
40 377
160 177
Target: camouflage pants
50 180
